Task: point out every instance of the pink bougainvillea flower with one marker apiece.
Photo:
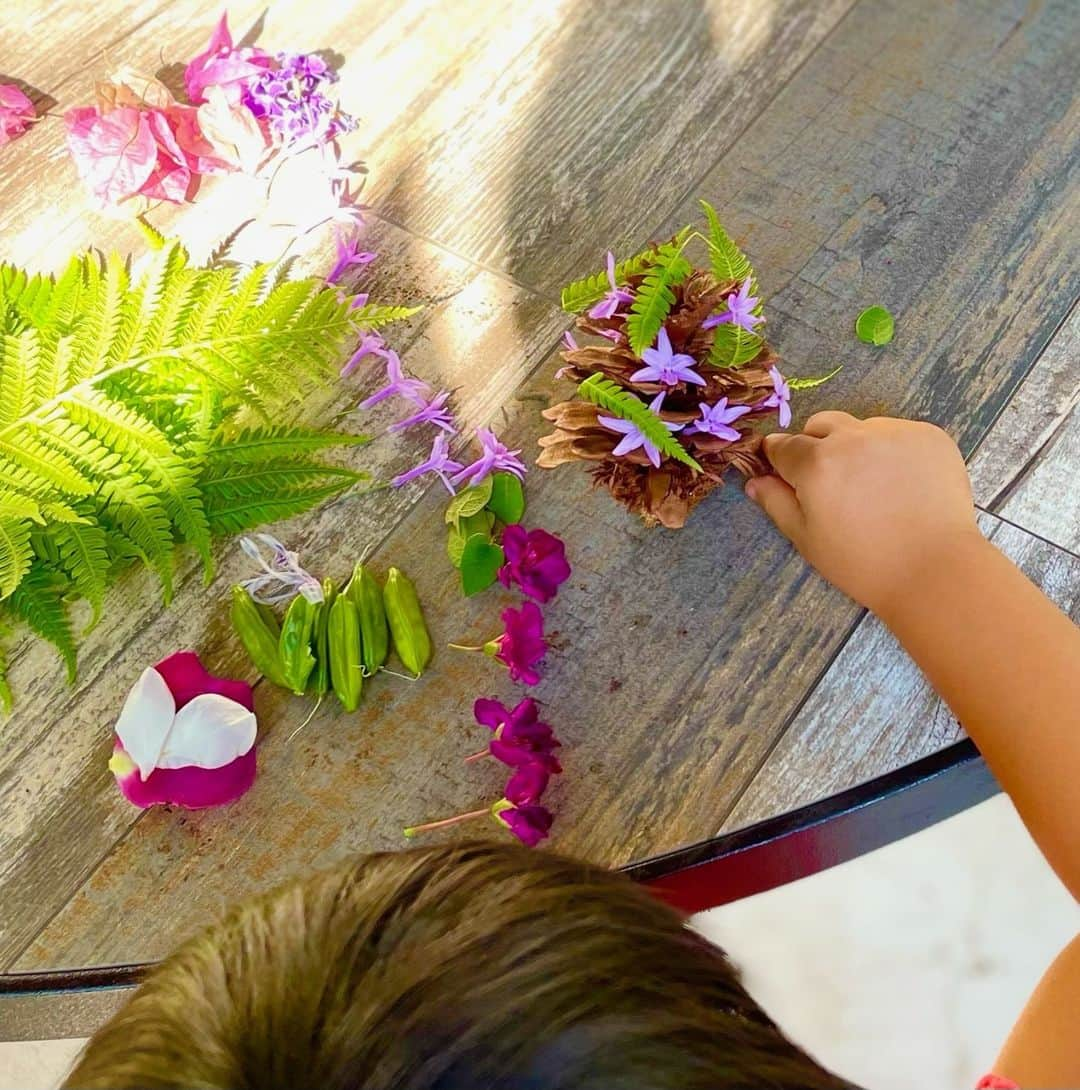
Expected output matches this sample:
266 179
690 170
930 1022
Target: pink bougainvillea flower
739 312
224 66
535 560
16 113
434 412
232 135
185 737
608 306
397 385
518 736
495 457
522 643
438 462
348 255
717 419
129 87
115 154
664 365
779 399
634 437
371 344
170 177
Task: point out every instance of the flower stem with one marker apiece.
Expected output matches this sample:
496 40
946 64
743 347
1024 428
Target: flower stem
476 756
464 647
412 830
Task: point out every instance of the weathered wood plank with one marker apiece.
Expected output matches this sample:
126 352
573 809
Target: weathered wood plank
873 711
578 124
1026 468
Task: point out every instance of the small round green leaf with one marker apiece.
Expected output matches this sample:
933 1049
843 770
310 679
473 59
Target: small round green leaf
481 560
455 545
507 501
874 326
469 501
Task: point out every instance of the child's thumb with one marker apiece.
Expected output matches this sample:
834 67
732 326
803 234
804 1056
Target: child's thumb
778 500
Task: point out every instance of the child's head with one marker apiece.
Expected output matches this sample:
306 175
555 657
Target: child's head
475 967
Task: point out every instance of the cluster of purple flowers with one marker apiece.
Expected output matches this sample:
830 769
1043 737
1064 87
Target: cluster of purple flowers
291 100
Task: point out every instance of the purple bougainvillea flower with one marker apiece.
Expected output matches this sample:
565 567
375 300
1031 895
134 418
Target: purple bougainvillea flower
438 462
185 737
633 437
348 255
16 113
434 412
282 576
666 366
607 306
519 737
529 823
495 457
221 65
717 419
522 643
535 560
371 344
779 399
397 384
740 305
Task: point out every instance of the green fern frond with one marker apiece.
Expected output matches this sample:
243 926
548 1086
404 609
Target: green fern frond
39 601
84 558
7 701
581 294
19 357
375 316
14 505
654 298
277 443
733 346
728 261
15 553
810 381
627 406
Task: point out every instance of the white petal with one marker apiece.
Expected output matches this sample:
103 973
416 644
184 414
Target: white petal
208 732
145 720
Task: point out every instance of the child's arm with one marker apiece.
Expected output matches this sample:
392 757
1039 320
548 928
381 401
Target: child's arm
883 509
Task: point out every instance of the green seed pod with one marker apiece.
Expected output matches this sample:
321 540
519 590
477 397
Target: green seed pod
258 634
320 676
346 664
411 640
365 591
296 632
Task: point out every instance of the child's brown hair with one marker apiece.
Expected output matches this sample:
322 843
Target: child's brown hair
471 967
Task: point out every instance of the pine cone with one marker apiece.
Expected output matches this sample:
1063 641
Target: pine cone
664 494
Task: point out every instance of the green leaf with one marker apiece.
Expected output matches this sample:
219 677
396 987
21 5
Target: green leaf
875 326
810 382
84 558
279 442
483 522
481 560
373 316
39 601
627 406
507 501
15 553
469 501
728 261
654 297
733 346
581 294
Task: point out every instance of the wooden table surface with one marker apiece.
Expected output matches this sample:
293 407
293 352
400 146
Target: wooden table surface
915 153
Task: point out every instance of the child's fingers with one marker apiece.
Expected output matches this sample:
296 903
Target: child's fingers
825 423
790 455
778 500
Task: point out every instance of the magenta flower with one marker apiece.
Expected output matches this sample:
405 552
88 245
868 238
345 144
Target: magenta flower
371 344
527 785
16 113
535 560
779 399
519 737
717 419
633 437
348 255
438 462
495 458
528 822
434 412
397 385
740 304
666 366
522 643
607 306
220 65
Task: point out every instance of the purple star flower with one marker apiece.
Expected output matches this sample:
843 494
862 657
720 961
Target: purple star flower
633 437
740 304
371 344
717 419
397 385
535 560
607 306
348 254
434 412
665 366
612 335
438 462
569 341
495 457
779 399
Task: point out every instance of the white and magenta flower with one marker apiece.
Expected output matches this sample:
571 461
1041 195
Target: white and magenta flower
185 737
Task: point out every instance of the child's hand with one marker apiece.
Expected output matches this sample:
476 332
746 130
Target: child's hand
868 502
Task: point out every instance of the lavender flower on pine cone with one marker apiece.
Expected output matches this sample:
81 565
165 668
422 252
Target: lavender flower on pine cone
740 305
666 366
609 305
633 437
